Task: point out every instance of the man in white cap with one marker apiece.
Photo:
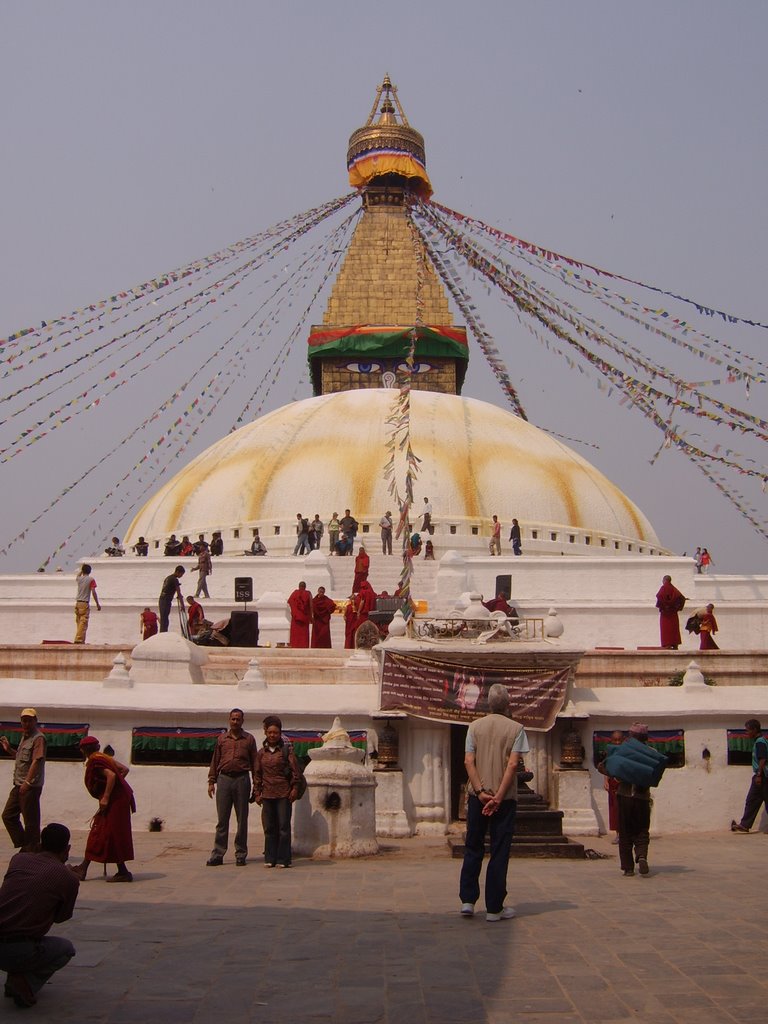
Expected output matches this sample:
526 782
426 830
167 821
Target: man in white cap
28 778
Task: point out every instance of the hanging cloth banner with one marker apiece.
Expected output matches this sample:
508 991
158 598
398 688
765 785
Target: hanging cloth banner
454 687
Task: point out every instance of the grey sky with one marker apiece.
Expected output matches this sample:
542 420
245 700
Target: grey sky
140 137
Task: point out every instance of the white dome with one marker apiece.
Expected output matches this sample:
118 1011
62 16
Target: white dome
327 454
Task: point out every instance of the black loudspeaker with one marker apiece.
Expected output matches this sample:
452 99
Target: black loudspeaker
244 629
503 586
243 588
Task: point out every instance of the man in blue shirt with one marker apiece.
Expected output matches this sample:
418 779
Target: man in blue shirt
758 789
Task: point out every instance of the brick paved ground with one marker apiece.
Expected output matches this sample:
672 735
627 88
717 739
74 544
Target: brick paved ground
381 940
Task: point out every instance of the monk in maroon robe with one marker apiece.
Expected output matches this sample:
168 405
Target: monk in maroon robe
322 610
351 621
300 603
362 564
366 601
707 626
670 602
110 840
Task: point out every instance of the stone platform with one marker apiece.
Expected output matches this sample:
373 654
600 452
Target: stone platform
379 940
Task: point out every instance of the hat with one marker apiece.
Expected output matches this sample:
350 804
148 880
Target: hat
89 741
28 713
638 729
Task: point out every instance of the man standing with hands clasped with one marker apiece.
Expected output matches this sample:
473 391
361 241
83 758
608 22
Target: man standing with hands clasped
234 759
493 748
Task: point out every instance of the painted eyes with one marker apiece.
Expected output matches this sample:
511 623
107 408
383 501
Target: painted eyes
417 367
371 367
377 367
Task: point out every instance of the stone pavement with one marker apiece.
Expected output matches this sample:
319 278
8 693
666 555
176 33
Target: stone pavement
380 939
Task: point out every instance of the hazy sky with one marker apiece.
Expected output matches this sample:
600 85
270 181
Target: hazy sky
138 137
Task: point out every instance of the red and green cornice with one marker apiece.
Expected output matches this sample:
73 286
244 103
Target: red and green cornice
433 340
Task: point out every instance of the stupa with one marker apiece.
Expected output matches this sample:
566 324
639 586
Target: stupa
329 451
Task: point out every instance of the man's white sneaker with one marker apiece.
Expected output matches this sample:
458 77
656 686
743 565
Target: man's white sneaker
467 909
505 914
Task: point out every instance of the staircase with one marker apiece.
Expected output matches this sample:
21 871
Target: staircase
538 832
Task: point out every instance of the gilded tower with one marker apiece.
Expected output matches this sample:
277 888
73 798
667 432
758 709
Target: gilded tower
372 310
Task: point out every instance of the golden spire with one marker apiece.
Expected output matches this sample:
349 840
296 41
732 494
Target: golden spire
387 150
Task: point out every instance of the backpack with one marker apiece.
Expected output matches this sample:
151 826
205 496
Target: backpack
302 787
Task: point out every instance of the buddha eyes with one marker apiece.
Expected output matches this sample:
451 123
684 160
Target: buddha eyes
372 367
377 367
417 367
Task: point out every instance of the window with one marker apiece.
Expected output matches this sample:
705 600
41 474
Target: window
277 531
254 531
629 547
235 534
62 740
366 528
452 529
553 536
534 534
194 747
602 542
739 747
667 741
571 538
616 544
157 544
475 530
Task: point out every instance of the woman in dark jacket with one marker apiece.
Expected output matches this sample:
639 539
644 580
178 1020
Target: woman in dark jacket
276 788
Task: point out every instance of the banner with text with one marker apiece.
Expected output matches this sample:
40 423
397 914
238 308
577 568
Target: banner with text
455 689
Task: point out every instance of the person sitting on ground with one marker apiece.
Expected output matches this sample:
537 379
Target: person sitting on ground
217 543
200 544
500 604
257 545
147 624
141 547
415 545
195 617
344 544
187 548
38 890
116 549
172 547
429 551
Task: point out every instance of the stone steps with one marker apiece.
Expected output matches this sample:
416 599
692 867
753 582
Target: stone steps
538 832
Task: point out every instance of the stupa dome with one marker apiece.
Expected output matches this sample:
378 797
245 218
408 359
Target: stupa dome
325 454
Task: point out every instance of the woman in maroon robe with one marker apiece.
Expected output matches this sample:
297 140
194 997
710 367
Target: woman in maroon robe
670 602
322 610
110 840
300 603
362 564
707 626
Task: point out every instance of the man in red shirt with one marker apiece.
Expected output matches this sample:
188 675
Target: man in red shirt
234 759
